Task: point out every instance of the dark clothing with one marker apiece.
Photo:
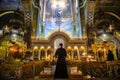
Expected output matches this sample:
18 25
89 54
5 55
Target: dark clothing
61 67
110 56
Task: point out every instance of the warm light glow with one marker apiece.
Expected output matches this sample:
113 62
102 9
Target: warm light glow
12 49
69 47
82 47
6 27
89 56
42 47
48 47
33 37
75 47
35 47
84 53
20 50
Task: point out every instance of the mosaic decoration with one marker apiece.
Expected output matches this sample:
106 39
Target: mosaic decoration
27 16
90 17
54 13
58 15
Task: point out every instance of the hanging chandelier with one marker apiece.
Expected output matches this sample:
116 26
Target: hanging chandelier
13 30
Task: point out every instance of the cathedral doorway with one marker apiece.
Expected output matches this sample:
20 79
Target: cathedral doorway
56 43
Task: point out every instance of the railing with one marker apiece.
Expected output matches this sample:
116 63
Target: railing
32 69
23 70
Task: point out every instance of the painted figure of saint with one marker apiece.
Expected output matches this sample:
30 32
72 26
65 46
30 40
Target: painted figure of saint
58 13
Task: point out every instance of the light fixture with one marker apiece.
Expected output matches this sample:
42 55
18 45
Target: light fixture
105 36
107 31
35 48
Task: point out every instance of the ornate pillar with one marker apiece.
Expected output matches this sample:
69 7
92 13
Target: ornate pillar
73 18
41 17
90 26
35 13
78 53
83 15
28 24
45 53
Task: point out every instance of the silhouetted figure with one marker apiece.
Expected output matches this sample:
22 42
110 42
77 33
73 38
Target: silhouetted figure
61 67
110 56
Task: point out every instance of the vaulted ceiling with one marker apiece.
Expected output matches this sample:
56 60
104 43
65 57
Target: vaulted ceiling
107 12
108 5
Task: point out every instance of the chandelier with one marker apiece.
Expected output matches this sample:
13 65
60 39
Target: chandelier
13 31
107 33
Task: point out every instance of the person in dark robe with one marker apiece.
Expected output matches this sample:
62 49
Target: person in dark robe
61 67
110 56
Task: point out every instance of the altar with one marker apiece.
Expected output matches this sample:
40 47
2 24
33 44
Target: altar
101 50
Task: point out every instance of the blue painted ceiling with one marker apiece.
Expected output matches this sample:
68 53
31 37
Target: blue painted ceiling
10 4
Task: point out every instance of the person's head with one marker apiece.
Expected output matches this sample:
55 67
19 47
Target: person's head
61 45
109 51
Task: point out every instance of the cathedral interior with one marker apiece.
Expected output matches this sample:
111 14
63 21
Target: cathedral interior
31 30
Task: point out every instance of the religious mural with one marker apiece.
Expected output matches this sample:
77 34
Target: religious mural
58 15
